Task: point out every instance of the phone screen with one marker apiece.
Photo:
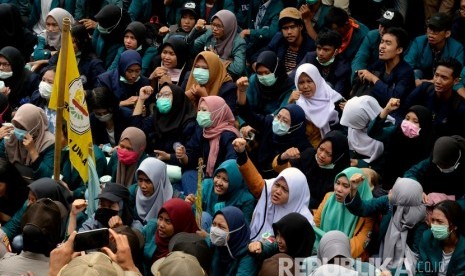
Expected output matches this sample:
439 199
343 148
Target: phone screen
92 239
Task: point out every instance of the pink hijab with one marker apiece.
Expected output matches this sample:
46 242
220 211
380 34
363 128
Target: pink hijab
223 119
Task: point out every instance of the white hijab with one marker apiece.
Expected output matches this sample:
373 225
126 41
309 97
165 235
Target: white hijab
148 207
357 114
319 109
299 198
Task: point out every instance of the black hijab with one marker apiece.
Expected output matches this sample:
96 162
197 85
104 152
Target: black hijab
18 81
297 136
283 82
298 234
340 150
406 152
180 49
13 33
138 30
181 111
48 188
109 16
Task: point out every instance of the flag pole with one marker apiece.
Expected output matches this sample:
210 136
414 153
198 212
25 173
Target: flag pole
61 97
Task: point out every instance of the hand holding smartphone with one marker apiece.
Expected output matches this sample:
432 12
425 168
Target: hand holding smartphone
92 239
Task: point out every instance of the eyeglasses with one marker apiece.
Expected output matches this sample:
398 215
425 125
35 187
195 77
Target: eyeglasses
163 95
5 65
217 26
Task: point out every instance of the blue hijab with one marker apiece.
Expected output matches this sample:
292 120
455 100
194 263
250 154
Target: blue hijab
238 240
128 58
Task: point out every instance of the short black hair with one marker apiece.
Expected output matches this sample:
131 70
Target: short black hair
453 213
453 64
336 16
403 39
102 98
283 21
329 37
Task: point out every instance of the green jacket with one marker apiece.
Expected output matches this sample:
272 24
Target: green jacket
150 246
237 56
243 266
43 166
146 56
71 176
81 13
269 25
13 227
431 256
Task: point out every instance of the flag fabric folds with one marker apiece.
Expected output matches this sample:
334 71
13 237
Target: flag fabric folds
75 111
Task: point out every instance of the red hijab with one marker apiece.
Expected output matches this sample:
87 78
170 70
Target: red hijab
183 220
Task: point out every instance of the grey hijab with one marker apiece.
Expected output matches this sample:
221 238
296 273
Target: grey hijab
406 194
148 207
224 46
333 243
54 39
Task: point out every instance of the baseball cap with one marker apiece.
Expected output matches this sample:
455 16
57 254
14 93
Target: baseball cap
440 22
177 263
391 18
289 13
190 7
194 245
114 192
91 264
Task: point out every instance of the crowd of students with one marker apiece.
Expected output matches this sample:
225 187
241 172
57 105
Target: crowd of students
326 148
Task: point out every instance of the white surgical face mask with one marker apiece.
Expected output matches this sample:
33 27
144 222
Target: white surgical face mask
5 75
105 118
219 237
45 90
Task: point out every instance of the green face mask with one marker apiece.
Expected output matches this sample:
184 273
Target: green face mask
164 105
440 232
204 119
267 80
201 75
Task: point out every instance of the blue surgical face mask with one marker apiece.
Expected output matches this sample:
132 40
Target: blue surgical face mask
280 128
201 75
440 232
20 134
204 119
164 105
267 80
5 75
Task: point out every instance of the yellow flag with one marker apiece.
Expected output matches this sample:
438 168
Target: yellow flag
75 111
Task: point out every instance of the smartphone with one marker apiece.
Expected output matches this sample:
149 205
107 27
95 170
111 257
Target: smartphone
92 239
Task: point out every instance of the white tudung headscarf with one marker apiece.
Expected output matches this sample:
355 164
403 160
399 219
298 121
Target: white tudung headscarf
299 198
357 114
148 207
319 109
